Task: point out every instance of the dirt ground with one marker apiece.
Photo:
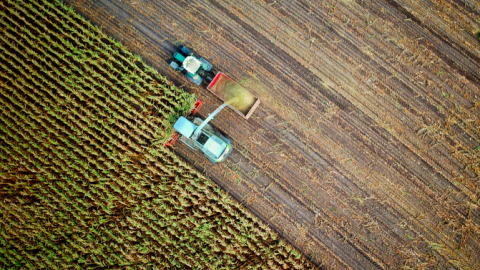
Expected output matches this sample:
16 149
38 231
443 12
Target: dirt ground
364 152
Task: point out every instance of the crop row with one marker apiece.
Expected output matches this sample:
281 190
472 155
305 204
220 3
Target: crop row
85 180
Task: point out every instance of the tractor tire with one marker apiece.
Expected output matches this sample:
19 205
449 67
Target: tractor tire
174 65
209 77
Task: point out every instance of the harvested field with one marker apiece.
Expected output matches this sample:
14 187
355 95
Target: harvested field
364 152
85 180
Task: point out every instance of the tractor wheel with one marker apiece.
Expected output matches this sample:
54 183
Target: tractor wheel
174 65
209 77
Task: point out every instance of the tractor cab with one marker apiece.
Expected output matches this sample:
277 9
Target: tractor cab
195 68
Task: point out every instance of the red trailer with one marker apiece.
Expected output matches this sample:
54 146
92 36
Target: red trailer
225 89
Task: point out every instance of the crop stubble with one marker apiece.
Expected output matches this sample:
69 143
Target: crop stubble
364 152
85 179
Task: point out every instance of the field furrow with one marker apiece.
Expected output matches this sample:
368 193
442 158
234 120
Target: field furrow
364 152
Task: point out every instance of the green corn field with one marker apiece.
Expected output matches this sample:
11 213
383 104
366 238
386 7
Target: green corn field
86 181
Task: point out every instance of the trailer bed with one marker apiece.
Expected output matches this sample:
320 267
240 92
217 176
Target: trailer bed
220 86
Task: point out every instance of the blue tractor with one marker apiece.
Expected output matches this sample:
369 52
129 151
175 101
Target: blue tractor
195 68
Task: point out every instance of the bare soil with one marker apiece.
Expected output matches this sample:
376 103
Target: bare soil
364 152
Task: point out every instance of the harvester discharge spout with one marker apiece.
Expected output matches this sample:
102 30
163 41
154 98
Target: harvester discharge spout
212 115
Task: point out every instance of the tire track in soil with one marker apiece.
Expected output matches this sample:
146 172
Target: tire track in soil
278 180
369 121
431 168
466 55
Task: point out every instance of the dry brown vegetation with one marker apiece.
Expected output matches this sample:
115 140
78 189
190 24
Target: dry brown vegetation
365 151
